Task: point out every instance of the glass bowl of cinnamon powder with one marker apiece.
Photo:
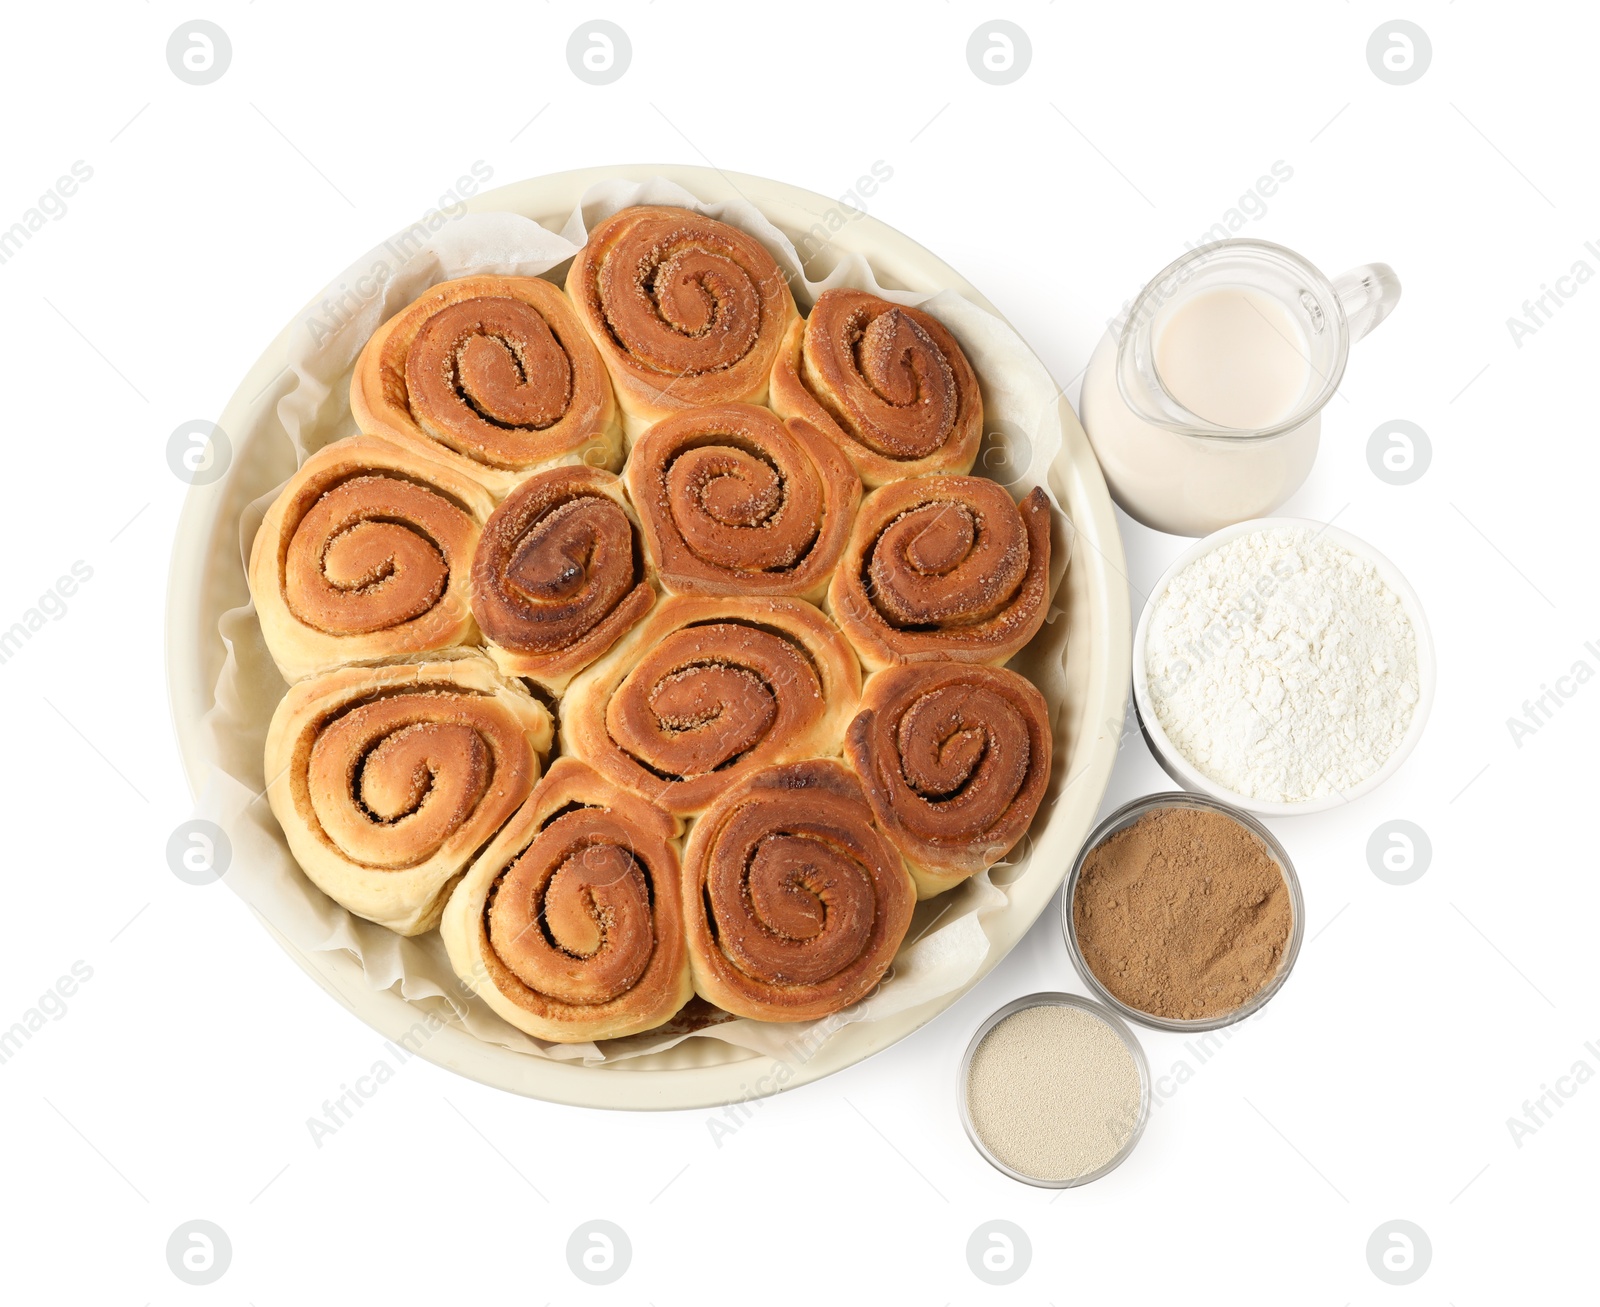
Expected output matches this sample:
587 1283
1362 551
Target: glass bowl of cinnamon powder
1182 912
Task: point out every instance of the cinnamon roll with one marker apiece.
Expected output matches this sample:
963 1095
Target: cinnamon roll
889 383
954 760
685 310
794 900
559 574
387 780
706 690
570 925
493 375
364 557
733 501
943 567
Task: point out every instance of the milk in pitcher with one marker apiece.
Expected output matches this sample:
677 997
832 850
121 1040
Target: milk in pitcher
1204 404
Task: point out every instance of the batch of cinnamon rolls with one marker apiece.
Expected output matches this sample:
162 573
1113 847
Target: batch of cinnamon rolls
648 640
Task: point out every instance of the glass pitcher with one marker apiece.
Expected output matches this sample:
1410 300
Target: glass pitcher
1256 339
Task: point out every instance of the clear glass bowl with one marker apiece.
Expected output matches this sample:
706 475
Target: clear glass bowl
1118 1028
1124 817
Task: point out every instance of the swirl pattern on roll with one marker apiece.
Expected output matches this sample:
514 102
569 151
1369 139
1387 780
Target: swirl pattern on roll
387 780
559 574
492 374
685 310
365 556
571 923
795 902
705 690
944 568
954 759
889 383
734 501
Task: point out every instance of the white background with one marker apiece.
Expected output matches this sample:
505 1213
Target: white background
1379 1082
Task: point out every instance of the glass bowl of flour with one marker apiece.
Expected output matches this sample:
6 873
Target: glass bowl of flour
1282 665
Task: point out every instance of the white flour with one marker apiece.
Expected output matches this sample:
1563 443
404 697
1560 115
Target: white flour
1282 666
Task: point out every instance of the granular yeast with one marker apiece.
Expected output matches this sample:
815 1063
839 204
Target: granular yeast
1053 1092
1185 914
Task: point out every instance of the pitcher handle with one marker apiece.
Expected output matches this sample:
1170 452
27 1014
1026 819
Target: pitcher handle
1367 295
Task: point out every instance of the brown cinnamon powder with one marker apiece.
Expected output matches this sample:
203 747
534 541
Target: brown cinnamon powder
1185 914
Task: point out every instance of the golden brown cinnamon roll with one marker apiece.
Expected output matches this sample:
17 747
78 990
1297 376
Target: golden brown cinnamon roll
888 383
570 925
559 574
387 780
685 310
734 501
795 902
706 690
943 567
364 557
493 375
954 760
